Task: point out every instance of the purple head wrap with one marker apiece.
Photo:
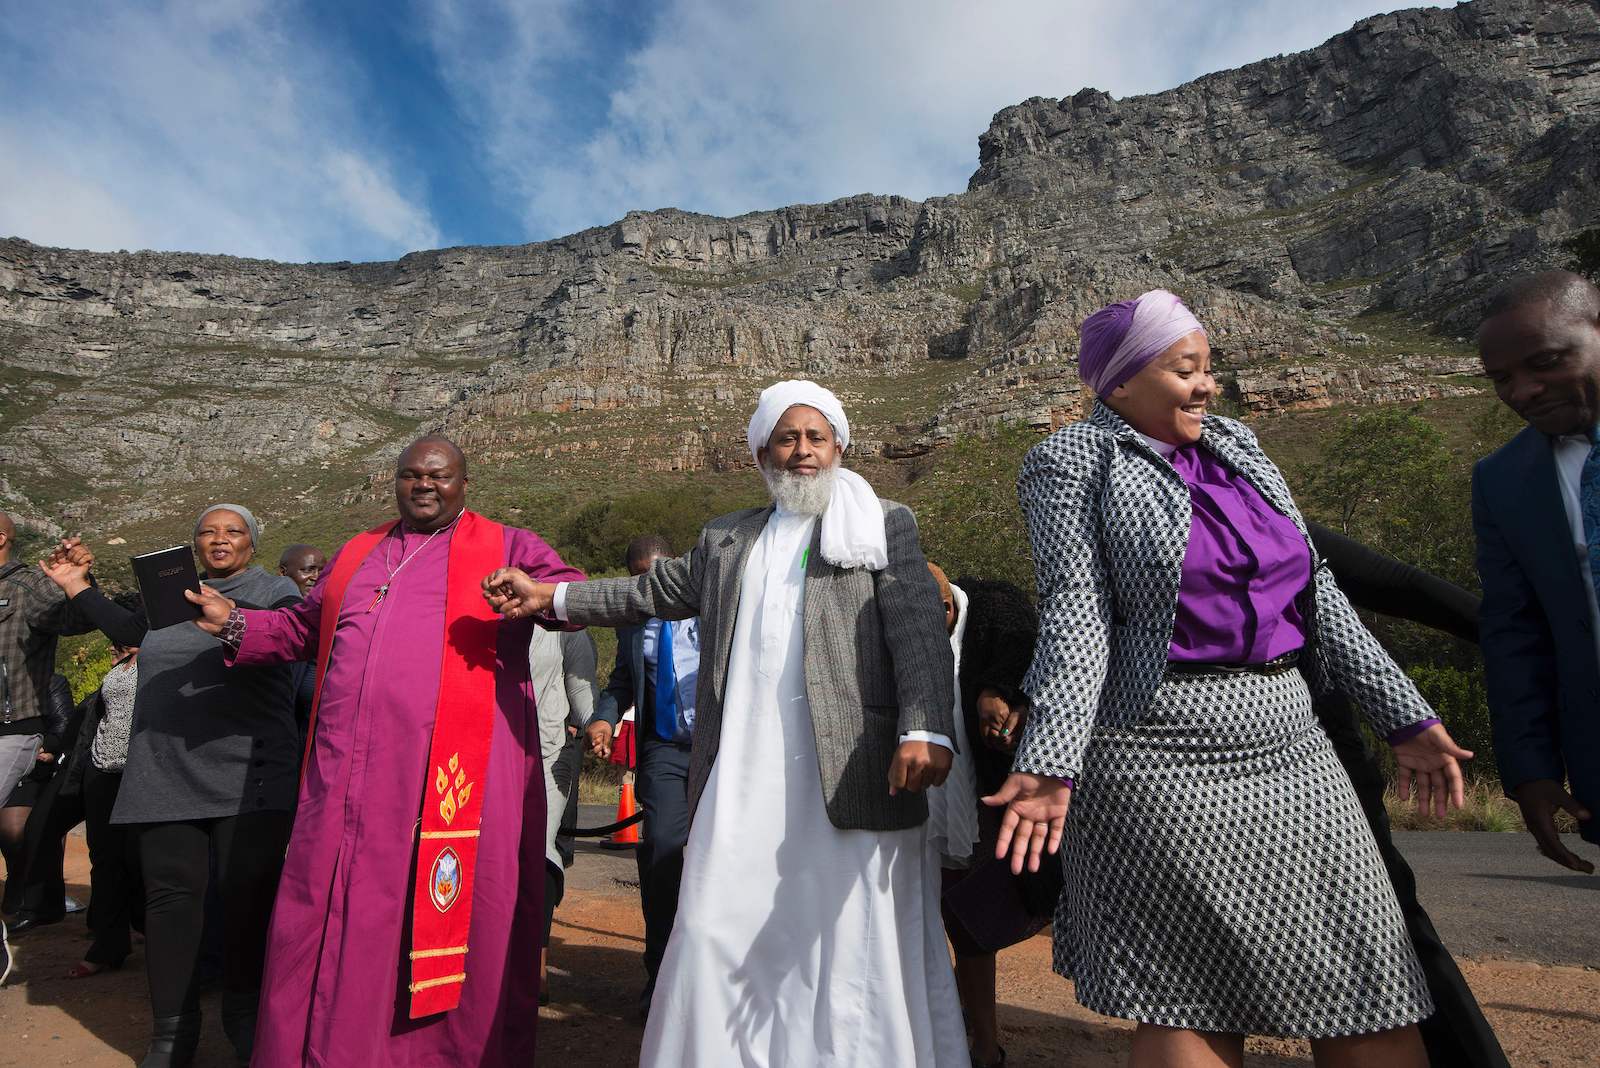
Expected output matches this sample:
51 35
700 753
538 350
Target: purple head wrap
1119 340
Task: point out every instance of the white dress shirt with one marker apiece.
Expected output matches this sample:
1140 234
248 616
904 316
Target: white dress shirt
1570 453
685 665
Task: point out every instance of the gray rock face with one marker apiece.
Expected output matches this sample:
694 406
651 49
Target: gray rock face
1320 212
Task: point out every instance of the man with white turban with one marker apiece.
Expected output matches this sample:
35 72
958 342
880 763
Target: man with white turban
808 930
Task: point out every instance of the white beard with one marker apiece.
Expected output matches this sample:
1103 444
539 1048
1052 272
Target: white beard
801 494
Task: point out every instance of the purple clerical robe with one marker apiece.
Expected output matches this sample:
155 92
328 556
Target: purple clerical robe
334 993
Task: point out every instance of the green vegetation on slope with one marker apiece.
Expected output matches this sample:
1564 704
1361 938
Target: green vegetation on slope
1395 478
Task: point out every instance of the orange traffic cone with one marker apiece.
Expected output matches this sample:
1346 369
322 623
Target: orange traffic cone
629 835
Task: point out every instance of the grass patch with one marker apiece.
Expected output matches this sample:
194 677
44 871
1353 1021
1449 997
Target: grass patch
729 280
911 397
600 783
1487 808
1395 333
968 293
26 393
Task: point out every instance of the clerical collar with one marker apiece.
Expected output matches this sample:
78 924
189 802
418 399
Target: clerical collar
406 529
1165 448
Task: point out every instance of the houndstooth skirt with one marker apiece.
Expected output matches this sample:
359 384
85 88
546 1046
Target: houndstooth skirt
1220 875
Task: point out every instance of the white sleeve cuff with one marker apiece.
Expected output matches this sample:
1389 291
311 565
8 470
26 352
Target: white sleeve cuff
928 736
559 602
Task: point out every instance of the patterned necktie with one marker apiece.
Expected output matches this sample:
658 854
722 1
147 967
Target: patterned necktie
1589 504
666 685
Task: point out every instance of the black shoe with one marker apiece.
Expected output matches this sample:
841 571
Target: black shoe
239 1020
28 921
173 1040
1001 1063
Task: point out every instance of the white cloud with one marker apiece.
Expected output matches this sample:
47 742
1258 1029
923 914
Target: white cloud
213 127
730 107
225 125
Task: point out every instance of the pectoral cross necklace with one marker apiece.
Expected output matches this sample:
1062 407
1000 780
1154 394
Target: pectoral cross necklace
383 591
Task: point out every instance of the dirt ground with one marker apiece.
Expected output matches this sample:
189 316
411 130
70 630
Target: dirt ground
1545 1016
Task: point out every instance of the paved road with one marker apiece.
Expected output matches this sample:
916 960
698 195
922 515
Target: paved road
1490 895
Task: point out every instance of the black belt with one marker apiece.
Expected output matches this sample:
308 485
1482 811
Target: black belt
1276 666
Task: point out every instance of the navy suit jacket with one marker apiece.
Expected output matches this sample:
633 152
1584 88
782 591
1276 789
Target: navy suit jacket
625 689
1538 643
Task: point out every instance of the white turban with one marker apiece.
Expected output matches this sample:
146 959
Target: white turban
852 524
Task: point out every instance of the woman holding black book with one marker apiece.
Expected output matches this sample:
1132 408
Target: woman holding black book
209 783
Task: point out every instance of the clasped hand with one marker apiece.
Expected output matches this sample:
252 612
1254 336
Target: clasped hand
918 765
514 595
68 566
1000 721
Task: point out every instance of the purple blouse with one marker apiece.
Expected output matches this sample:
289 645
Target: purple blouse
1245 565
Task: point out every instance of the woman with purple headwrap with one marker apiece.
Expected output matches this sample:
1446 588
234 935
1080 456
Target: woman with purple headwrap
1220 876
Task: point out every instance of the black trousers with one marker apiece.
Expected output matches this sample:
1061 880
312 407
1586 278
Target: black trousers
662 785
116 893
1456 1033
176 859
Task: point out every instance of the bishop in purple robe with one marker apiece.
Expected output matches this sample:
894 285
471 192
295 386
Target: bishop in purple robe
337 989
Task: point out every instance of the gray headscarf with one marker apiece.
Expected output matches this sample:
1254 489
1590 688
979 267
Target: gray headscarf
244 513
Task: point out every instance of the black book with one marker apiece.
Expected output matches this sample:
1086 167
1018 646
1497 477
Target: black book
163 576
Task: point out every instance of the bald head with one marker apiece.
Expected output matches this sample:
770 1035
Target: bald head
644 551
430 483
303 563
1540 344
435 442
1563 291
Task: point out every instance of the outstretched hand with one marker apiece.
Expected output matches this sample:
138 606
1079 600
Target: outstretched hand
1430 768
214 609
1539 799
1036 815
514 595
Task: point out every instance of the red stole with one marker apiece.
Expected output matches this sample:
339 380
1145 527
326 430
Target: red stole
458 757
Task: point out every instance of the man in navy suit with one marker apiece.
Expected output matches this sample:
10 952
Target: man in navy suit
660 690
1536 512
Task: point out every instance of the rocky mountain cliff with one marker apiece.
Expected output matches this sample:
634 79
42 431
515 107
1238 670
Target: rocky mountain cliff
1335 217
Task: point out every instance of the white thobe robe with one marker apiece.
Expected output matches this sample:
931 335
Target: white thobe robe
796 945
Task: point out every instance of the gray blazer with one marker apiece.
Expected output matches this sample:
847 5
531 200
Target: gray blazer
878 663
1109 520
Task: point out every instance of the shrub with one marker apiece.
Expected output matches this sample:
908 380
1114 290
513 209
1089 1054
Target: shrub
1460 700
968 519
596 536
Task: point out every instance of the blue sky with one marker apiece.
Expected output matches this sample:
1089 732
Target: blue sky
364 129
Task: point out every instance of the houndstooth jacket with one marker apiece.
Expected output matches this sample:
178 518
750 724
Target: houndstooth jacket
1109 521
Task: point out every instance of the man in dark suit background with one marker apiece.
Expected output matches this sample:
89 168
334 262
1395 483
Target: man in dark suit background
1536 513
664 734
